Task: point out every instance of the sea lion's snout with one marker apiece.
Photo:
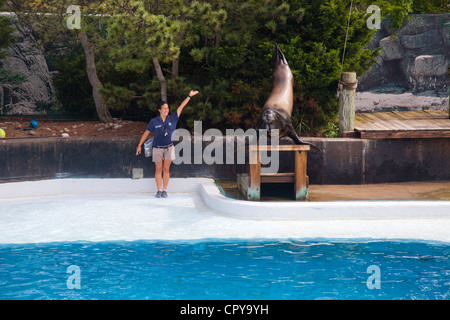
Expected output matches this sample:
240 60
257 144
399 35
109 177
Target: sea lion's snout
278 57
268 116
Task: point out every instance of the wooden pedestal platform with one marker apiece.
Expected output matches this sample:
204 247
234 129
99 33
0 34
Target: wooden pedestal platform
250 184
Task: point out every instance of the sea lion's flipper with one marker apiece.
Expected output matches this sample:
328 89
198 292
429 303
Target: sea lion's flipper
293 135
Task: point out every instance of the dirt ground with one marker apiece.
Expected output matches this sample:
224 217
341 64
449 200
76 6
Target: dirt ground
439 190
15 127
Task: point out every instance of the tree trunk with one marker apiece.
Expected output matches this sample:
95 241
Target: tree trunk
175 67
176 61
161 78
100 105
218 42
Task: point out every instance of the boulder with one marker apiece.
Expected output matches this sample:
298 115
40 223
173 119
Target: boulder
392 48
422 23
430 65
427 39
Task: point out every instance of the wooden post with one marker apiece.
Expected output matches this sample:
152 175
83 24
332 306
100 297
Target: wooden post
254 192
301 189
448 91
347 96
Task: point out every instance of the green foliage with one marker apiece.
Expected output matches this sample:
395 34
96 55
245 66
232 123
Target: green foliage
6 30
8 76
48 108
397 11
135 36
431 6
331 130
73 87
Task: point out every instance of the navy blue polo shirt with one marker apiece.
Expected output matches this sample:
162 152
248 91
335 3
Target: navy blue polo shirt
161 127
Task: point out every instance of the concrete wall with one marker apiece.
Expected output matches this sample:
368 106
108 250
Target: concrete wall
343 161
361 161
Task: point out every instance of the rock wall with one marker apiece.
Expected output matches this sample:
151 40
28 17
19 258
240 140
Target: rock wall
27 58
416 58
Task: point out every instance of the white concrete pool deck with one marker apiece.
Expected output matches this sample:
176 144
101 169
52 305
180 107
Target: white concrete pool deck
126 209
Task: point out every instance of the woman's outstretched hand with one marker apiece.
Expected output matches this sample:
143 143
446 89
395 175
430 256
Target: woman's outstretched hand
192 93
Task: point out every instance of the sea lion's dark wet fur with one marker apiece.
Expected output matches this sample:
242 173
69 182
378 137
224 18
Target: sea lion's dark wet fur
278 119
277 110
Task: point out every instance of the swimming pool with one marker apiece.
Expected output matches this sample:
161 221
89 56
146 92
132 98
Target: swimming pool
122 243
225 269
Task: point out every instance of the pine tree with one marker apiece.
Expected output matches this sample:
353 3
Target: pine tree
144 32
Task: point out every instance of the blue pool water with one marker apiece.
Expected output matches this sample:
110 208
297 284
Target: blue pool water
225 269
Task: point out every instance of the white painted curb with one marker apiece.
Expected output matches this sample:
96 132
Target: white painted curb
329 210
54 187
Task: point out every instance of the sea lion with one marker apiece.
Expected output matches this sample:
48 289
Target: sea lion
277 110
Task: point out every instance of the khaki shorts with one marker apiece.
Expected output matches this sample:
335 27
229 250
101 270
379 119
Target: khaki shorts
159 154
